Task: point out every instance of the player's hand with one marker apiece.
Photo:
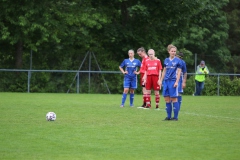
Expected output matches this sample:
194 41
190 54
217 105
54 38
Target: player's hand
160 84
135 72
175 84
183 85
144 81
126 72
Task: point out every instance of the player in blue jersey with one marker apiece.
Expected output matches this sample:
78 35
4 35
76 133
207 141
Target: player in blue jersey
171 75
182 80
129 68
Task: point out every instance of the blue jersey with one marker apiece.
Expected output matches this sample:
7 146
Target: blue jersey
184 70
130 66
171 68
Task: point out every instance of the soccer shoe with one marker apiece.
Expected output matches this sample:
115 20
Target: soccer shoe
132 105
147 107
157 108
167 119
174 119
122 106
141 106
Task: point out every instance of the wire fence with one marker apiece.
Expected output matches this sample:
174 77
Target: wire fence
107 82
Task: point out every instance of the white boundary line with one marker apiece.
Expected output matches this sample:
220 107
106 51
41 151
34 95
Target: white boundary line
211 116
205 115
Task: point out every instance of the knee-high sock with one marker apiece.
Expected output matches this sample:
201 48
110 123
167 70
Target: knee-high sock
157 99
179 101
175 109
148 99
144 99
124 96
131 98
169 109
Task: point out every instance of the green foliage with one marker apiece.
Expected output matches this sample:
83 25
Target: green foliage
207 35
228 86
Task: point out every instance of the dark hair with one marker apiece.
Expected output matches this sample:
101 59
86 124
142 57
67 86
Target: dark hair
141 49
180 54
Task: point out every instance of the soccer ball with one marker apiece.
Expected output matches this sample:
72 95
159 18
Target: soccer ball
51 116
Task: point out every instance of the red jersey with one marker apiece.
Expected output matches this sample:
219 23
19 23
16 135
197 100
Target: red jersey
153 66
142 68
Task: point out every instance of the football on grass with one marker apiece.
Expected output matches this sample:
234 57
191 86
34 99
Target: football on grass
51 116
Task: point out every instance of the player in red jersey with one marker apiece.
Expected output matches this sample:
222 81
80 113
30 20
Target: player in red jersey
152 76
142 53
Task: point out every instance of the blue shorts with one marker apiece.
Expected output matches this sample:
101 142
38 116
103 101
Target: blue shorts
169 90
130 82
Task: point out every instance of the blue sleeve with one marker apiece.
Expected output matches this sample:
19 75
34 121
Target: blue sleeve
139 63
184 67
180 64
165 63
122 64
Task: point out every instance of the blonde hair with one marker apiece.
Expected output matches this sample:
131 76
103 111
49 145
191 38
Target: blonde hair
151 50
131 50
170 46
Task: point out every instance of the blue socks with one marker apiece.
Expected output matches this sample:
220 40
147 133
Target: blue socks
124 96
169 109
179 101
131 99
175 109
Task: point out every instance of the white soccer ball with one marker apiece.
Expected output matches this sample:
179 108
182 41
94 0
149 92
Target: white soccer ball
51 116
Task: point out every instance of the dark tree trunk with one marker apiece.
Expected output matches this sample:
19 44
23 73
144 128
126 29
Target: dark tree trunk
19 53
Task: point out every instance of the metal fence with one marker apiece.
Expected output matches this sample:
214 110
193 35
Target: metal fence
76 78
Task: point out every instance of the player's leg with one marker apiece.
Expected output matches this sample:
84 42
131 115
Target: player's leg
180 100
173 91
167 101
180 92
126 85
157 98
156 88
131 97
133 86
143 91
148 91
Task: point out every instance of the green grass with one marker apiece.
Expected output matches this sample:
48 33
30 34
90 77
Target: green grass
93 126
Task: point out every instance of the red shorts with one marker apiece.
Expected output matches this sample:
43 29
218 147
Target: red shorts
151 82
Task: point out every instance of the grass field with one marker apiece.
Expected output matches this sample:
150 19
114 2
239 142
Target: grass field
94 127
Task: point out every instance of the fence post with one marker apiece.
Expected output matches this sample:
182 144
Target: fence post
29 77
78 82
218 85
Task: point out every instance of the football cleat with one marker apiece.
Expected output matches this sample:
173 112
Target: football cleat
167 119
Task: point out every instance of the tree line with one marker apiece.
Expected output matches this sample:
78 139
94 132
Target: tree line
60 33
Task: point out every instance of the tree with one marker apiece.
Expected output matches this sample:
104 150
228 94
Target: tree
29 24
207 35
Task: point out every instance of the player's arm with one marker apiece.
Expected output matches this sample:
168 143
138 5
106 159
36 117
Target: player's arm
184 80
145 77
179 70
162 76
184 70
159 79
138 72
122 70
